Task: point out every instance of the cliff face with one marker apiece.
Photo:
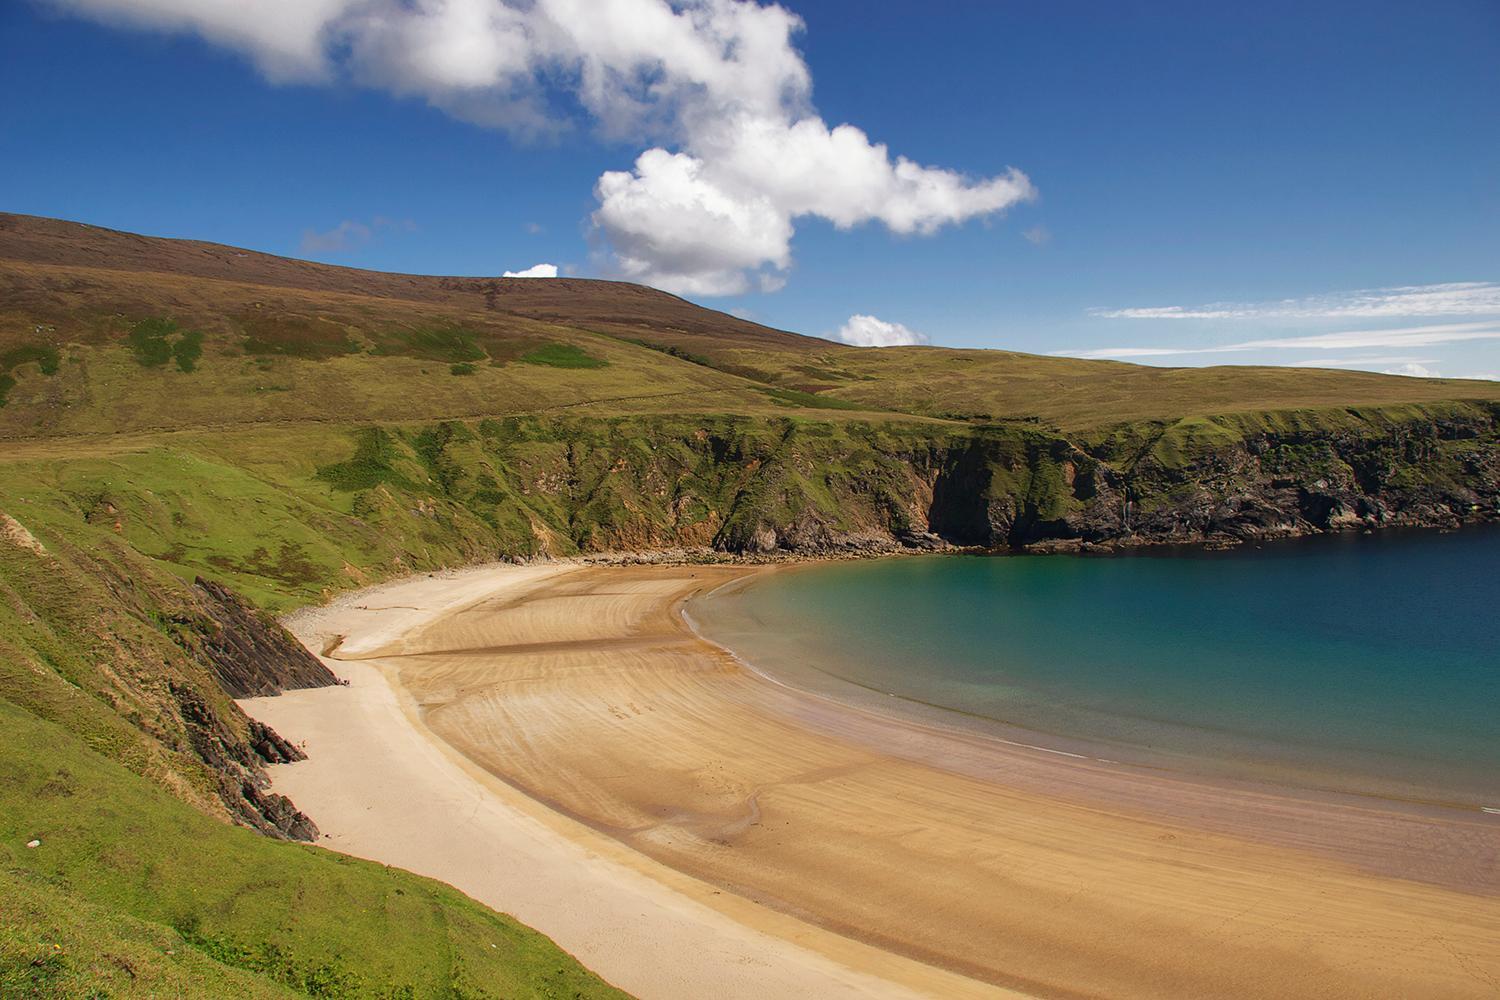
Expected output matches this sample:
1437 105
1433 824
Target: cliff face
755 488
1224 483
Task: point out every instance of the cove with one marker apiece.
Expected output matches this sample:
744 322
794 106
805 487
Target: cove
1361 664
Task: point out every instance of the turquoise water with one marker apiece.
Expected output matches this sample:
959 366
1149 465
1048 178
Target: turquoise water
1363 664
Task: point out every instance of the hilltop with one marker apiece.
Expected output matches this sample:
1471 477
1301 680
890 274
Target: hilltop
194 436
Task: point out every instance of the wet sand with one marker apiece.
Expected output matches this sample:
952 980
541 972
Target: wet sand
862 845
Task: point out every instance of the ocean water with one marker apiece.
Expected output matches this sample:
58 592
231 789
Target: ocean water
1363 664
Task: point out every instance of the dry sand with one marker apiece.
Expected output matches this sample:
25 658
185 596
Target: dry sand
689 829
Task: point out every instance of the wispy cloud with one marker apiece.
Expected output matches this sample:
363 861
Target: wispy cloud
1381 361
1391 365
1038 235
1397 337
1458 298
350 234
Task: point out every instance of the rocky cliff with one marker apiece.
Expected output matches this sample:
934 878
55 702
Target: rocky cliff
531 487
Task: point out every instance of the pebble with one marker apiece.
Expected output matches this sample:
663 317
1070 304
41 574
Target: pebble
33 843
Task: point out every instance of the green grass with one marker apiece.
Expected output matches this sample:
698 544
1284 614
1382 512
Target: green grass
188 349
149 341
129 882
44 355
562 356
155 341
462 369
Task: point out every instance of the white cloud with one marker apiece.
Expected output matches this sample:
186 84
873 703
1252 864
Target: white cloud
1458 298
867 331
701 222
1413 370
286 39
534 271
1398 337
673 227
716 87
1038 235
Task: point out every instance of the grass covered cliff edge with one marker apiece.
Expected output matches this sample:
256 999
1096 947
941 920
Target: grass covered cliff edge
194 438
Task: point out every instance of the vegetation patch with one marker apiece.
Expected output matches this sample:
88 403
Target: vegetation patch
562 356
286 335
806 400
155 341
452 344
45 356
188 349
673 350
374 453
289 565
463 368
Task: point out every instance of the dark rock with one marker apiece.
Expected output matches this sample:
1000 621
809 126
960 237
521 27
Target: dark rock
252 655
239 766
270 747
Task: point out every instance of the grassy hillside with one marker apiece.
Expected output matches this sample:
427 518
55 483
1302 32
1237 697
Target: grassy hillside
132 893
104 332
173 410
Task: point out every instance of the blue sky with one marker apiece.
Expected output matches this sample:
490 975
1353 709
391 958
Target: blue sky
1199 183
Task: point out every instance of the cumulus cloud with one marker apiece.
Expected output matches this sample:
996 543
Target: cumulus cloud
534 271
716 88
1458 298
867 331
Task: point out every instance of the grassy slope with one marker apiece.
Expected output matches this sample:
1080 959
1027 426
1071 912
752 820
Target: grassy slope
173 408
291 341
133 893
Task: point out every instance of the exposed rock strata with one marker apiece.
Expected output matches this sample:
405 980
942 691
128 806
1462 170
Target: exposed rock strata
251 655
239 766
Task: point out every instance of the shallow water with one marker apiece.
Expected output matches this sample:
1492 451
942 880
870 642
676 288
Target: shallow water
1358 663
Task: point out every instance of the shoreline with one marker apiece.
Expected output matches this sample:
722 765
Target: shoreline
845 691
526 713
642 926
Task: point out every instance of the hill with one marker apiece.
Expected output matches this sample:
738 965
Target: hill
98 329
193 435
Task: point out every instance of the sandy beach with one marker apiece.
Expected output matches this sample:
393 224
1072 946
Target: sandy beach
558 743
